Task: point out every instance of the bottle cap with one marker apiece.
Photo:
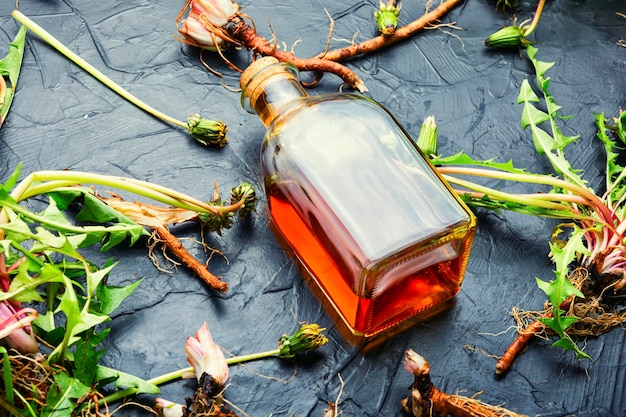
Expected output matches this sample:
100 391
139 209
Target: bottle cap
259 71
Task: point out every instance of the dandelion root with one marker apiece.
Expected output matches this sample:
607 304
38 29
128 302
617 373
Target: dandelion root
426 400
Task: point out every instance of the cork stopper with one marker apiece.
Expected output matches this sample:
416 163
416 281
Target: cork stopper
257 73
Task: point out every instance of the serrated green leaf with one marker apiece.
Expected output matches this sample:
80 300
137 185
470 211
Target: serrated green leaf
64 198
615 175
12 180
527 94
45 322
566 343
560 289
10 67
23 286
540 67
110 235
97 211
110 297
94 278
621 126
62 396
125 380
87 355
551 144
462 158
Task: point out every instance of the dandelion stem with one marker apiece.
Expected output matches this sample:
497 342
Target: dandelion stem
171 376
35 184
55 43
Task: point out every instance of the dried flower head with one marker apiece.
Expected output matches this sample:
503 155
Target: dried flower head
387 17
308 337
205 356
415 364
206 131
203 26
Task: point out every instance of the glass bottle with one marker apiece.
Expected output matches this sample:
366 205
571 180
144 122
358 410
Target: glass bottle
363 211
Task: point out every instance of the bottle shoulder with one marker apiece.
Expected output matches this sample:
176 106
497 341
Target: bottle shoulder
332 110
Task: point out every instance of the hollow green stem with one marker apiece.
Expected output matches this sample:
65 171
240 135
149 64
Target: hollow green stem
172 376
514 198
55 43
41 182
593 201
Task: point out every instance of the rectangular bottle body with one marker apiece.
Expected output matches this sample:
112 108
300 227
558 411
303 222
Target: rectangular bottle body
363 211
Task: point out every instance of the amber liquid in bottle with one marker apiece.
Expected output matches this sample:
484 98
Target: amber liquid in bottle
363 211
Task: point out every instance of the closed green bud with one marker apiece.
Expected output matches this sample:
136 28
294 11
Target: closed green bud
507 37
244 191
308 337
427 139
207 132
387 17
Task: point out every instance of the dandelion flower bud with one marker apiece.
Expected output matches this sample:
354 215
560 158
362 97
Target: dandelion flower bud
508 37
427 139
308 337
206 131
244 191
387 17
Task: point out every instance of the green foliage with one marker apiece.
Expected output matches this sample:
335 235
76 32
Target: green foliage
598 224
561 289
552 143
462 158
78 300
122 379
7 379
10 67
62 397
615 173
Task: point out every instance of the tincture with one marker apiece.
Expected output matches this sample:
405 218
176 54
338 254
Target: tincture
364 212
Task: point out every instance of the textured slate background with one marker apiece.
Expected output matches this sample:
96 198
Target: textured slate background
62 118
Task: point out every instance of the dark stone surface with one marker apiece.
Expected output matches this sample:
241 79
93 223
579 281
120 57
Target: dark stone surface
62 118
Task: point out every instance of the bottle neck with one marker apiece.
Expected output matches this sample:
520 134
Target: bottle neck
270 89
276 94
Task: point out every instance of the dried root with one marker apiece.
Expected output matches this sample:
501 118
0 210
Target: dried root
207 401
426 400
31 378
428 19
157 218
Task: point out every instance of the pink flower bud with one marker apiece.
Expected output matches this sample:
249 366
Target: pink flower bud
415 364
205 356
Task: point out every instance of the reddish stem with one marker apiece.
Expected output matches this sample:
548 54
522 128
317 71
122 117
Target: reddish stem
240 30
